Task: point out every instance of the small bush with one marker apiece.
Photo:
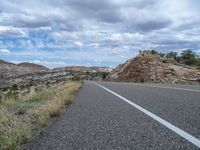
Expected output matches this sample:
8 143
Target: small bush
164 61
14 87
75 78
43 119
104 74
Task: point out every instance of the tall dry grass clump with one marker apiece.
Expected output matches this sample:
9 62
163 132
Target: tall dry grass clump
20 113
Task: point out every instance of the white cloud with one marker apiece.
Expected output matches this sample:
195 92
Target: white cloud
50 64
95 45
113 53
78 43
5 51
104 31
12 31
125 36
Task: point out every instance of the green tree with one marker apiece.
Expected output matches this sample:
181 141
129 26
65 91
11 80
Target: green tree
172 54
198 62
154 52
104 74
189 57
161 54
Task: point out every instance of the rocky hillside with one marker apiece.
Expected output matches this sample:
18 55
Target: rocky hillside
25 74
8 69
148 67
84 69
33 67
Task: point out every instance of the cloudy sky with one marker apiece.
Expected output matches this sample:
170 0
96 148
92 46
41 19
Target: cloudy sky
95 32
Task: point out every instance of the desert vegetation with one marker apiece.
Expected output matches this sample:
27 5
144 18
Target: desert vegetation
153 66
22 110
187 57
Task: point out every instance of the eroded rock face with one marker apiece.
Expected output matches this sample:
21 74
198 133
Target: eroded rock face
27 74
8 69
33 67
9 72
84 69
148 67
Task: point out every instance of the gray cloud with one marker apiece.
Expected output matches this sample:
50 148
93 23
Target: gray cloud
11 32
90 4
33 23
102 10
150 25
139 4
111 27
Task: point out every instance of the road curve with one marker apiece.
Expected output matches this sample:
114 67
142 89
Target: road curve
100 120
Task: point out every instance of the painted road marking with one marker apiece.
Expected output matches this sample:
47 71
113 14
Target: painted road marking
170 126
164 87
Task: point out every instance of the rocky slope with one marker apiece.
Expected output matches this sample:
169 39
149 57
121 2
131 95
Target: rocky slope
84 69
8 69
33 67
25 74
147 67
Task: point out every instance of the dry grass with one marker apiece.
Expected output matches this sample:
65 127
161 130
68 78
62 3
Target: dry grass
63 95
12 131
18 114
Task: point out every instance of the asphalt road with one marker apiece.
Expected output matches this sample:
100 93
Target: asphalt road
100 120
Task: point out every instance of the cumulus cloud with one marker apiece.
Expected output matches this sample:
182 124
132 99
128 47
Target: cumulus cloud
9 31
103 10
88 30
150 25
125 37
4 51
78 43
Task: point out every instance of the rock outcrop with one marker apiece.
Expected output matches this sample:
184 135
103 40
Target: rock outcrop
147 67
8 69
84 69
33 67
25 74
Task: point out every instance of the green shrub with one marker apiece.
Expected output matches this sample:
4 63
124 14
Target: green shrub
76 78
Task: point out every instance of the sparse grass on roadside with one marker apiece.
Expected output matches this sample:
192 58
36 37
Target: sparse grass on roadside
20 113
12 131
53 107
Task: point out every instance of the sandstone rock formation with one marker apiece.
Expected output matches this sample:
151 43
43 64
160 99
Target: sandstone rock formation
147 67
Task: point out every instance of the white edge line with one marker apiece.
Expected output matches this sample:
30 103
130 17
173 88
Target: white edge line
177 130
168 87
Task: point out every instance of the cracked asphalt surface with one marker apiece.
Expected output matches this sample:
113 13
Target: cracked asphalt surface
99 120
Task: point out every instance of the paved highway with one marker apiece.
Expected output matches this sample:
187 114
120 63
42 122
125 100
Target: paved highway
125 116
